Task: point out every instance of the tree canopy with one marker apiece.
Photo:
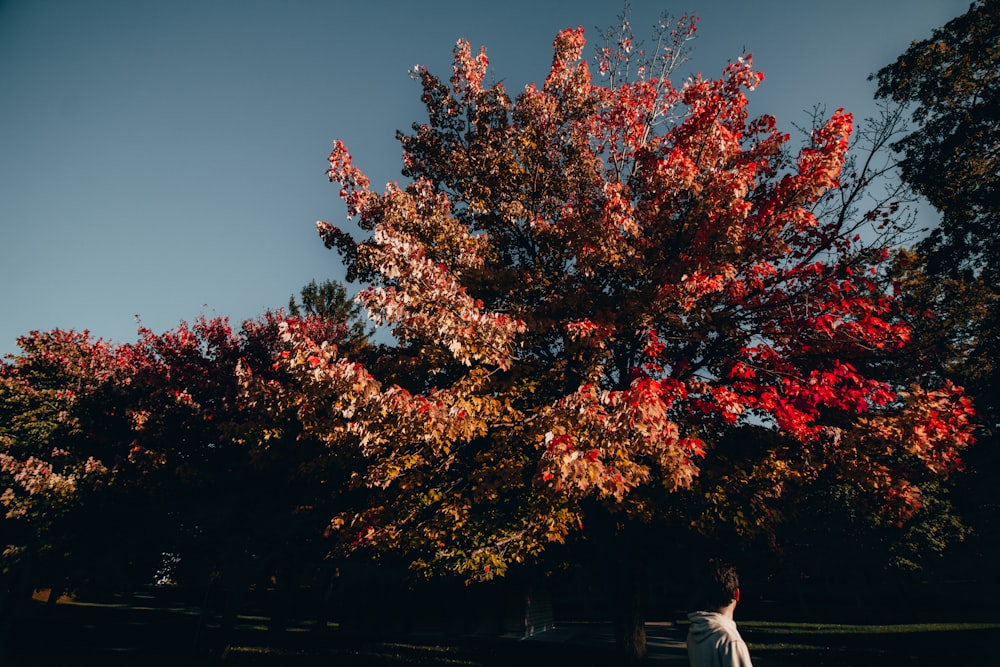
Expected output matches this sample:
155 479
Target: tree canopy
592 285
948 282
113 455
952 82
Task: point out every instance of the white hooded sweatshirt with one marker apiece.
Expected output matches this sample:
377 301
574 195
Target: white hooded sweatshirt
714 641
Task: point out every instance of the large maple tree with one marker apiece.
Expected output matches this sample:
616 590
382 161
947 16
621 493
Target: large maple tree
591 285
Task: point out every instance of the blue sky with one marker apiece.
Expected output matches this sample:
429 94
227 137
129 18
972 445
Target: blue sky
167 159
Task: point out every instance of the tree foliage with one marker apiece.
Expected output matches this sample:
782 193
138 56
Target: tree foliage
61 410
329 300
948 282
113 455
952 82
591 285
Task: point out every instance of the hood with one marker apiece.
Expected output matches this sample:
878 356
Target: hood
706 623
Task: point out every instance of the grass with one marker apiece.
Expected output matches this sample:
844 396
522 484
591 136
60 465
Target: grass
142 630
863 645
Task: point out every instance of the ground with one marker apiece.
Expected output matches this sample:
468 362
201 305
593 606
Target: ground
150 630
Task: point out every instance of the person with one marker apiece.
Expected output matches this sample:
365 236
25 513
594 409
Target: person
713 639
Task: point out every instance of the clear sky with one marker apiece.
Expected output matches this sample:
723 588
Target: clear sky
167 158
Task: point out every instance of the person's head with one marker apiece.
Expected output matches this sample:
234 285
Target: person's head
718 586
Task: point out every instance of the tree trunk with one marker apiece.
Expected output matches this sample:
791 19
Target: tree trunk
13 597
55 593
630 630
631 624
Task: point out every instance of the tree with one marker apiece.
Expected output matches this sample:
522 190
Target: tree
949 281
328 300
591 287
62 412
953 81
113 455
67 470
246 496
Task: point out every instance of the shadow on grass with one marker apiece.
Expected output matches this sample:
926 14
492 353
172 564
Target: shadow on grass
152 634
847 645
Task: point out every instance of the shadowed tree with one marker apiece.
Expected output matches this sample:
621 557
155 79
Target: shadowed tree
112 456
952 83
949 283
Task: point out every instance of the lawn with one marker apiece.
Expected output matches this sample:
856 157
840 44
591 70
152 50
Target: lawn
862 645
150 631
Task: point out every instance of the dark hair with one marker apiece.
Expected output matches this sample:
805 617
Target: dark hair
716 586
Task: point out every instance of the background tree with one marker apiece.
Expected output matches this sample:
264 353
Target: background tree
329 301
239 506
66 464
113 456
951 82
592 286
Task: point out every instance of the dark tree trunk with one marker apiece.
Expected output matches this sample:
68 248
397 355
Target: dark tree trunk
630 622
55 593
14 595
631 630
331 596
